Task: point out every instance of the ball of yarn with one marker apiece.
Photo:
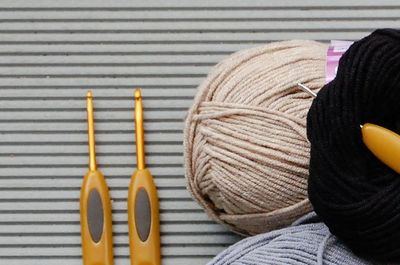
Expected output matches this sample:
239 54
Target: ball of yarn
308 242
355 194
246 149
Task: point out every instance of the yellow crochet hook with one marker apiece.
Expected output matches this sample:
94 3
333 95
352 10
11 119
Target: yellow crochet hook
143 213
95 206
382 142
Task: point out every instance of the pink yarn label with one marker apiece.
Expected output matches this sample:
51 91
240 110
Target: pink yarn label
336 49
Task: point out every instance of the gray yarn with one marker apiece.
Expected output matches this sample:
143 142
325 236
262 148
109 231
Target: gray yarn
306 242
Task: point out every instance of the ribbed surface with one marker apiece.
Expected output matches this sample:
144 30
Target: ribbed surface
52 51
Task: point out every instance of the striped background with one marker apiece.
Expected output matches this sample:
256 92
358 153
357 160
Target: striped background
52 51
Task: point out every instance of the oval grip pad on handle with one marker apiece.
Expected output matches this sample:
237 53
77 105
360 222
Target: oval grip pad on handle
142 214
95 215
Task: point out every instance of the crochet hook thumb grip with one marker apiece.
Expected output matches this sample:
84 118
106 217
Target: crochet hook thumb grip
144 231
95 207
143 209
96 221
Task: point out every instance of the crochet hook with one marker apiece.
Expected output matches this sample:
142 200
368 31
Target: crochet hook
143 212
95 206
382 142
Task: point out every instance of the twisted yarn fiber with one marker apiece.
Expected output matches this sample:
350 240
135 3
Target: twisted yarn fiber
308 242
246 151
356 195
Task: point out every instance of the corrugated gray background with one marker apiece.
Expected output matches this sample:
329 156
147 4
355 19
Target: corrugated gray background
52 51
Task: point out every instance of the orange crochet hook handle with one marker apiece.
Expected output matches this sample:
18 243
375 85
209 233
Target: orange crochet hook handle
95 207
383 143
143 212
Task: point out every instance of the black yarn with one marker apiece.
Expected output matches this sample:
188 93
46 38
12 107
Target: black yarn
355 194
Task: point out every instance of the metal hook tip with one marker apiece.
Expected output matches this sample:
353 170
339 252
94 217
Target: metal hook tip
306 89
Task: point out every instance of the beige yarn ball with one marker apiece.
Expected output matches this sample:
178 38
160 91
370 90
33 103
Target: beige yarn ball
246 150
